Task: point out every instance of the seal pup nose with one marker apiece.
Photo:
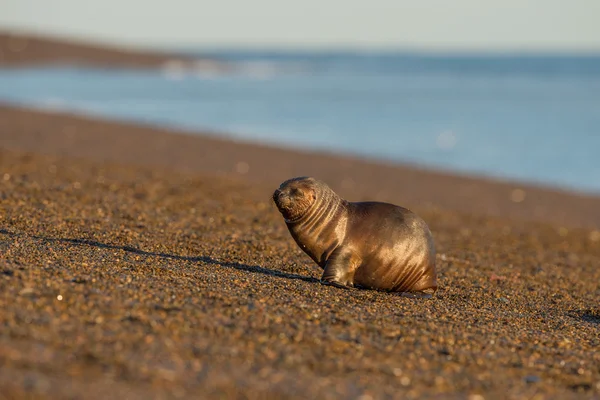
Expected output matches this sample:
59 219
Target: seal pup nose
276 194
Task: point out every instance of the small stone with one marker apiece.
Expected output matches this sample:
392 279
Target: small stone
532 379
517 196
242 167
26 291
562 231
444 351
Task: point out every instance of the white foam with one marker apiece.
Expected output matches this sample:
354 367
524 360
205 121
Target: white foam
174 70
446 140
52 104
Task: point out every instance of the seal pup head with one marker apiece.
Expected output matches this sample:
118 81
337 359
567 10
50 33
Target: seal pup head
296 196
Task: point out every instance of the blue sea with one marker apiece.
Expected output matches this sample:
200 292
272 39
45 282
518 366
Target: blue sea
532 118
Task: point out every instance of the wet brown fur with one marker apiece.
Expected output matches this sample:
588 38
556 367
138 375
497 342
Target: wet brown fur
366 244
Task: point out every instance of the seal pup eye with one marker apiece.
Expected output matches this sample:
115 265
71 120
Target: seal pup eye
295 192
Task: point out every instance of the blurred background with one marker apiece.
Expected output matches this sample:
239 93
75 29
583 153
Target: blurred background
506 89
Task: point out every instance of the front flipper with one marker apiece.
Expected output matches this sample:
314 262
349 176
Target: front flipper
340 268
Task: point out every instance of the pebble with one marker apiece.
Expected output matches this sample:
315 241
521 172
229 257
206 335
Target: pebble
532 379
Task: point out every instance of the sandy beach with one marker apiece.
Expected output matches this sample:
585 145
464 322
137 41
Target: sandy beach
139 262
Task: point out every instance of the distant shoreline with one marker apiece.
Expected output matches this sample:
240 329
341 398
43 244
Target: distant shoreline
17 50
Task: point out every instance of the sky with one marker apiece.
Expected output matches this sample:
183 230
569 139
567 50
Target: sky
438 25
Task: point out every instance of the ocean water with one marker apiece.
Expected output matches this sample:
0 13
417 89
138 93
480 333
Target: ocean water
528 118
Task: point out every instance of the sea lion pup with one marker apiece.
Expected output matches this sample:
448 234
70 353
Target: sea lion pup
368 244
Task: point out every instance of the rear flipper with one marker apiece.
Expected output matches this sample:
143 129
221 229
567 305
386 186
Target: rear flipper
427 285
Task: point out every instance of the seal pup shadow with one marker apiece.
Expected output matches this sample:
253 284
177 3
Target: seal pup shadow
195 259
370 245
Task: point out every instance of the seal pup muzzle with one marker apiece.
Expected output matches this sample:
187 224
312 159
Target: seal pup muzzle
364 244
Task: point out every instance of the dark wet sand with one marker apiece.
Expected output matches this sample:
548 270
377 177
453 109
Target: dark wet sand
140 263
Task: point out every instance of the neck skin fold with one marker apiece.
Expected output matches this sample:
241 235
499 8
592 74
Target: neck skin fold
321 211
